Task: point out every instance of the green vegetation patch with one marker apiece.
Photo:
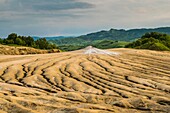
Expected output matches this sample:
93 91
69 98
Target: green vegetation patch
15 40
101 44
152 41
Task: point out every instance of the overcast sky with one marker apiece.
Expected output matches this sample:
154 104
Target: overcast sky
75 17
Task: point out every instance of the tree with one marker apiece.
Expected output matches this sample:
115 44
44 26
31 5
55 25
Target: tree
12 36
29 41
52 46
19 41
41 43
9 41
1 40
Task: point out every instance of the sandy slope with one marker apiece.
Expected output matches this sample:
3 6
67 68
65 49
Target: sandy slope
12 50
130 81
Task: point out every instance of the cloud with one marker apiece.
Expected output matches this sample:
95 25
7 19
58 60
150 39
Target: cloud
62 6
20 9
44 5
45 17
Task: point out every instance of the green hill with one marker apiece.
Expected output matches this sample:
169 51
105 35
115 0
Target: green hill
101 44
105 39
105 44
152 41
112 34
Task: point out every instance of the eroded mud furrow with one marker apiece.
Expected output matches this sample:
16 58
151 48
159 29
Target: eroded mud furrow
122 92
39 70
33 71
141 60
157 55
113 84
76 76
152 68
107 79
145 75
146 71
82 80
62 85
9 74
60 70
100 63
101 81
48 82
152 77
24 71
49 63
125 87
91 81
155 64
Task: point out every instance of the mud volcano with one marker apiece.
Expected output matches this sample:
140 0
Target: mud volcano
92 50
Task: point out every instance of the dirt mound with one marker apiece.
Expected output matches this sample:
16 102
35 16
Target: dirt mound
74 82
9 50
92 50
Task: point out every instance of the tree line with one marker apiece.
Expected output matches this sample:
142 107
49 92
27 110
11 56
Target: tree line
14 39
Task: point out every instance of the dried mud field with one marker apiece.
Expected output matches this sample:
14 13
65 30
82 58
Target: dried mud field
132 81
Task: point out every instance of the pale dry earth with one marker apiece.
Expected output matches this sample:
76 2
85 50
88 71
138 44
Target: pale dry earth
130 81
11 50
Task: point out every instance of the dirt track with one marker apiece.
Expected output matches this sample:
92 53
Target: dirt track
135 81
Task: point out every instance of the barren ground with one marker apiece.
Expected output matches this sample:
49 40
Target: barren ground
133 81
11 50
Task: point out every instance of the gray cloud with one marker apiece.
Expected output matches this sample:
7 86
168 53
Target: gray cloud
64 17
41 9
62 6
44 5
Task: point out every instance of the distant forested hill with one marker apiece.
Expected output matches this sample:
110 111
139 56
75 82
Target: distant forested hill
112 34
51 38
